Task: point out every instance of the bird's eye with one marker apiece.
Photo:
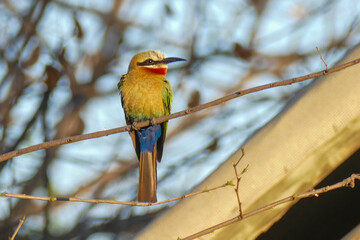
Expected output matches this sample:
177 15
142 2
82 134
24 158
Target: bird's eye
149 61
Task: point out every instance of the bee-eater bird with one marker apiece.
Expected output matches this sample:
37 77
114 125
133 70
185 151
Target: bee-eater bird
146 94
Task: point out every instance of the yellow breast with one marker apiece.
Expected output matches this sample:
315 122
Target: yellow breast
142 95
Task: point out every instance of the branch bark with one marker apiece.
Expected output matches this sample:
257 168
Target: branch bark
158 120
348 182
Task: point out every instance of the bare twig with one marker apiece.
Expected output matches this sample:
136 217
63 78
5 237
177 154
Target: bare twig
238 178
158 120
21 222
322 59
348 182
71 199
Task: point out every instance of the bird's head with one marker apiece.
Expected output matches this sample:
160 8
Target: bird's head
152 61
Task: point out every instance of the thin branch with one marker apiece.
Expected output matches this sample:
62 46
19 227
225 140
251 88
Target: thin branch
322 59
348 182
238 178
158 120
71 199
21 222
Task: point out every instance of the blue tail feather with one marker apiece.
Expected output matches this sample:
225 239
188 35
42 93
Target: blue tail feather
148 137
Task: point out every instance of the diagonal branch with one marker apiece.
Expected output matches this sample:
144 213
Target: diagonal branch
21 222
348 182
158 120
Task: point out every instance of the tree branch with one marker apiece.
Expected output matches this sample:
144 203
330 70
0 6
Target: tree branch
158 120
75 199
348 182
238 178
21 222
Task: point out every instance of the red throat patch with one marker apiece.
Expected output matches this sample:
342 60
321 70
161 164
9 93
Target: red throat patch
161 71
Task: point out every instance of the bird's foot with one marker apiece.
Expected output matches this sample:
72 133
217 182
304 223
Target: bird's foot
152 122
134 127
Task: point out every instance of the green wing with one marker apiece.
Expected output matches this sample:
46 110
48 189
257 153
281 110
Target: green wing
127 118
167 99
119 86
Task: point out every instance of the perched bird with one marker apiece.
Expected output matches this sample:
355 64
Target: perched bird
146 94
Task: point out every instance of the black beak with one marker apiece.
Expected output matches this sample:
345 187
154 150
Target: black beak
172 59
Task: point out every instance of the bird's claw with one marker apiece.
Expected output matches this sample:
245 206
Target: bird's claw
133 127
152 122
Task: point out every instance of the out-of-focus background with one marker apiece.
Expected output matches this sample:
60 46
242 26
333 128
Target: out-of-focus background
60 61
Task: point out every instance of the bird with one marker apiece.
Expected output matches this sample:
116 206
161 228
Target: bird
147 94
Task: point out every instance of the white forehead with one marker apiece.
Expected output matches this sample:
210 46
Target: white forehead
156 55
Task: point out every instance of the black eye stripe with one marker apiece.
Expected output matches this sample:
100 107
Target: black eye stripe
147 62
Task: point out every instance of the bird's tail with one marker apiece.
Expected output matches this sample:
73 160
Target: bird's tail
147 177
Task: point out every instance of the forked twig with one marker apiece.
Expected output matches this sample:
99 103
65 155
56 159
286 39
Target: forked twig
238 178
348 182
